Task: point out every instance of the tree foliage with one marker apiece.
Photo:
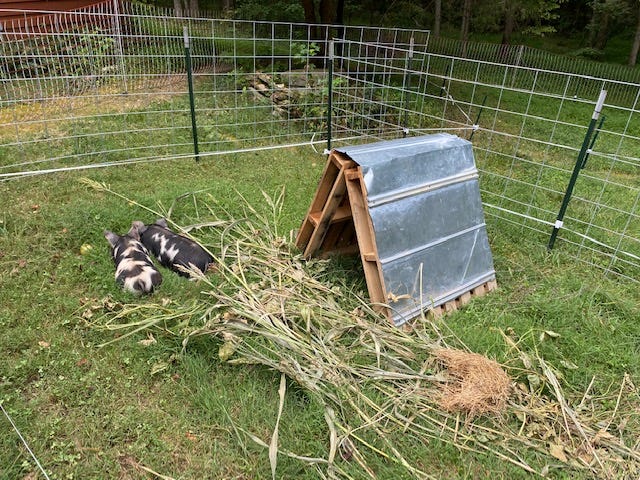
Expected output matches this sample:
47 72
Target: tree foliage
608 16
591 23
273 11
531 16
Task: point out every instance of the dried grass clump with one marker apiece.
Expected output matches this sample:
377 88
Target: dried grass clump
377 383
476 386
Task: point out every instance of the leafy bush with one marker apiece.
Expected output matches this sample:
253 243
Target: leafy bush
86 60
278 11
589 53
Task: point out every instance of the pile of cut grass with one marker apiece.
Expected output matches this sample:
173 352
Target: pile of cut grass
381 388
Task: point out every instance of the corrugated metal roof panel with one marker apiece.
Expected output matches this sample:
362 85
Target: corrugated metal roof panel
424 201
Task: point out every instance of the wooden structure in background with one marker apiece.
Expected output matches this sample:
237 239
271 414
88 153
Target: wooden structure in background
34 18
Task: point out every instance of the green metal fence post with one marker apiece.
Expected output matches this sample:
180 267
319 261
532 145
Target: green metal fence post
576 169
593 141
192 100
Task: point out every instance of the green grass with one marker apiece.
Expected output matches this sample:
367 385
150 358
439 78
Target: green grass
90 412
83 398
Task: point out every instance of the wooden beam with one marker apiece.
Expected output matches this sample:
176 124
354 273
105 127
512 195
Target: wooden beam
366 240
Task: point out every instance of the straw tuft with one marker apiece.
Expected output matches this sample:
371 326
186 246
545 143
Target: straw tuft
476 384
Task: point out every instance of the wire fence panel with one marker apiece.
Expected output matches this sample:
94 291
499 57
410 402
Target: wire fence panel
523 56
108 84
527 126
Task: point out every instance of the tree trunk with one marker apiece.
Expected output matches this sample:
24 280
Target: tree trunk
309 7
310 16
633 57
593 24
466 21
509 23
437 18
177 7
227 5
603 31
507 31
341 29
599 26
340 12
194 8
326 11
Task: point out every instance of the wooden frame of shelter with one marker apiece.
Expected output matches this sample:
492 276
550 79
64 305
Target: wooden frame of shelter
338 222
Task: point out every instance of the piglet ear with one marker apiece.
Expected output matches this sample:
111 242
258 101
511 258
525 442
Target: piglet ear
111 237
139 226
162 222
133 233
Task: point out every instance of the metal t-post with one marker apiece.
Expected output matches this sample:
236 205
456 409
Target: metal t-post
192 100
476 125
576 169
329 94
593 141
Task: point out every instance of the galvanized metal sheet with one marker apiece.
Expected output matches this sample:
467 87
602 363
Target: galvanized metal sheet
424 202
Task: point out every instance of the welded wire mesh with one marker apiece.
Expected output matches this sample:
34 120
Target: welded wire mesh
108 84
527 126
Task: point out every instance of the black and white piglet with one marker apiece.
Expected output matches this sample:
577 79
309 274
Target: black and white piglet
135 270
173 251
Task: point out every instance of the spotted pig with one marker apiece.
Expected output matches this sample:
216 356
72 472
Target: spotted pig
173 251
135 270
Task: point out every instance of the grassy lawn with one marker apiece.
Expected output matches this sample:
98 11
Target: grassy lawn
95 413
270 343
145 404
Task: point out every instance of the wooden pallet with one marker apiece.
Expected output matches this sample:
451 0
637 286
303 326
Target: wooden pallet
328 225
338 222
456 303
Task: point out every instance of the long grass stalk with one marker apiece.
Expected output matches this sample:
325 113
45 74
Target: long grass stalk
375 381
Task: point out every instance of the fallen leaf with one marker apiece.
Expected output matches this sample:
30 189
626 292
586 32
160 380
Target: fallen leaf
44 344
568 364
159 367
227 349
534 381
548 334
557 451
346 449
602 437
150 340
